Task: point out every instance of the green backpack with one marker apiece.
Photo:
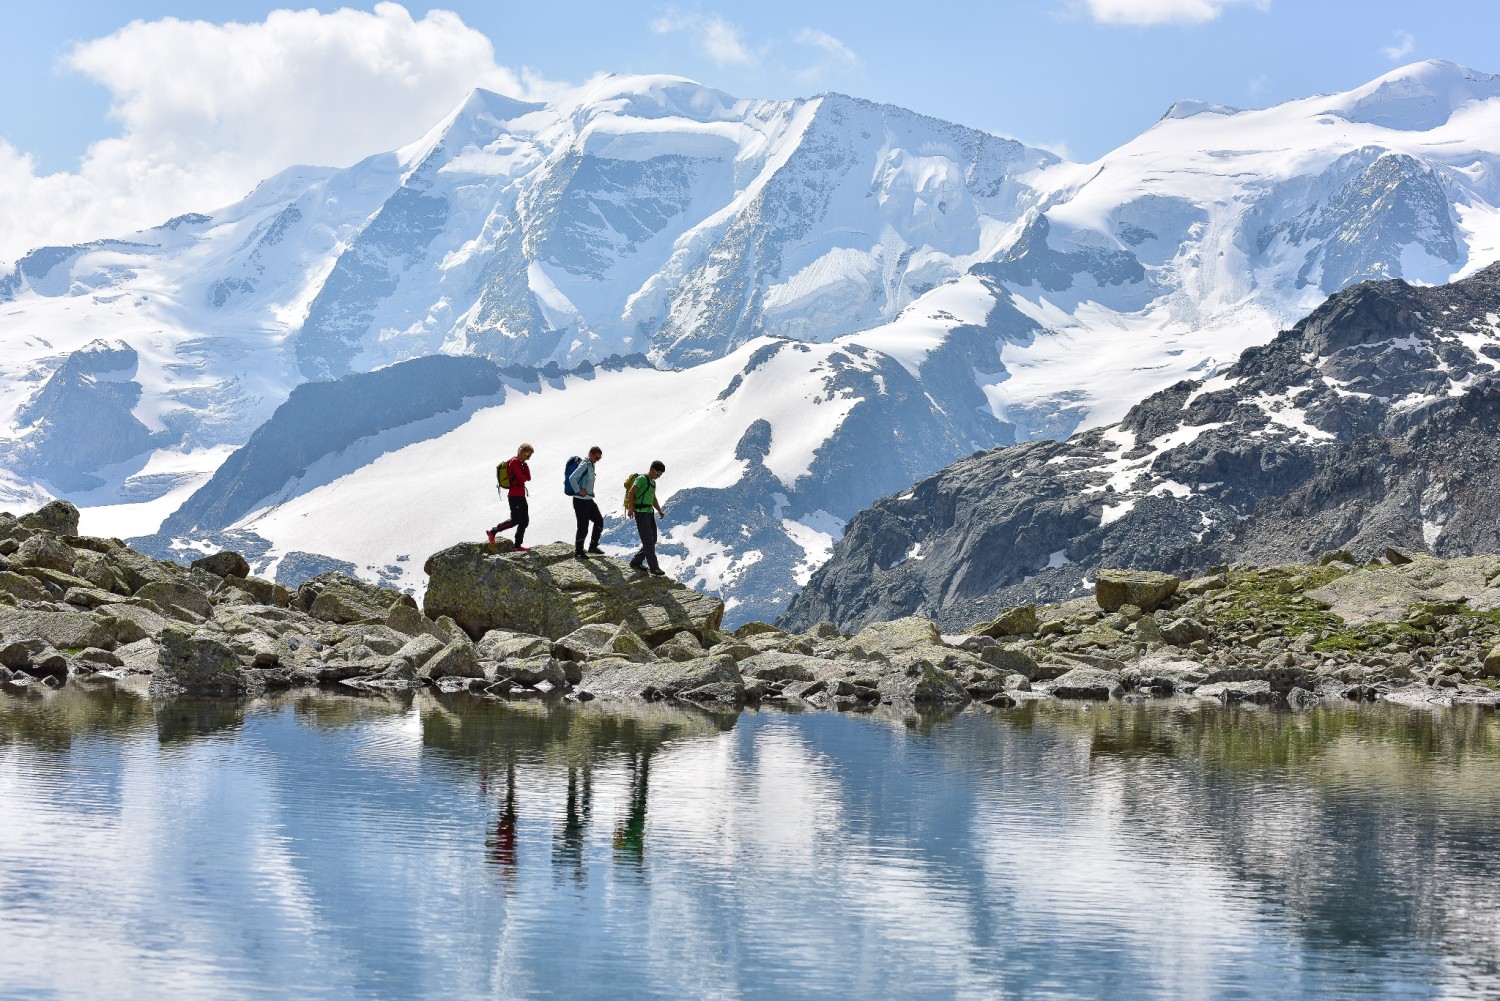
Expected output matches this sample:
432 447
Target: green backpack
629 489
502 475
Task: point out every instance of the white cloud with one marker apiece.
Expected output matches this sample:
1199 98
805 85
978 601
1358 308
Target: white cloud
1403 47
717 38
835 49
1153 12
206 111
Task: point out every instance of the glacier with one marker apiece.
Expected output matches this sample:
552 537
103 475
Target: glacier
798 305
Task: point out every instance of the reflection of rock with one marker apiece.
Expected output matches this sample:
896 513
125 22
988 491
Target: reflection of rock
549 593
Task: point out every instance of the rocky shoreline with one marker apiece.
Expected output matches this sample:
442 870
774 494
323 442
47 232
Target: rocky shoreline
498 624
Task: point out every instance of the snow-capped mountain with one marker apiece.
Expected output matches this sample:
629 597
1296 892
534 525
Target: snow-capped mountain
1371 423
1019 295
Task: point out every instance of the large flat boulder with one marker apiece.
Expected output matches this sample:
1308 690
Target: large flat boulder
662 679
547 592
1145 589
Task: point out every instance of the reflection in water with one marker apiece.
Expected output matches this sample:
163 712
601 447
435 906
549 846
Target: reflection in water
320 844
630 833
567 848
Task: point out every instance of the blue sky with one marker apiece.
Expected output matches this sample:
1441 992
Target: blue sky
106 122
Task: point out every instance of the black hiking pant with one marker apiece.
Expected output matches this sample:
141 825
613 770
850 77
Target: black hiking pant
645 523
520 517
587 512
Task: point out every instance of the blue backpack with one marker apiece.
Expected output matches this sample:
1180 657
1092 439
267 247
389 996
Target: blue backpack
573 461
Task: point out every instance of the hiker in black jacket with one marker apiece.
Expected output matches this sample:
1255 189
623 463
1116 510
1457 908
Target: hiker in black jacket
585 507
643 503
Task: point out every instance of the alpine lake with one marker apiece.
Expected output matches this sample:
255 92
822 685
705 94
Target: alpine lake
315 844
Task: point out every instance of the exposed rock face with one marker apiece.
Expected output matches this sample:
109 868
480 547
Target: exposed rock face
549 593
1373 423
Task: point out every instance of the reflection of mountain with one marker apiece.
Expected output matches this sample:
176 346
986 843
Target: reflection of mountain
1120 852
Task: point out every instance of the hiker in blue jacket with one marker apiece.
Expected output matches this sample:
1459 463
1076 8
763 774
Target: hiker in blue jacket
585 507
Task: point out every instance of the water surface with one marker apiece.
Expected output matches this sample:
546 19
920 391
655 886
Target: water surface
323 845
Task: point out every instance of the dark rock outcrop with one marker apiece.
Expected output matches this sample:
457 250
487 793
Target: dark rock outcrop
1374 422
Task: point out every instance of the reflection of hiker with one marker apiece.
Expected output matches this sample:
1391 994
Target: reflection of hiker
567 849
513 474
585 507
640 497
502 844
630 833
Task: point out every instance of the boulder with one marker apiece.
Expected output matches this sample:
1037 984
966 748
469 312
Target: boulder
406 619
1492 663
600 640
1018 621
1009 660
18 654
92 597
224 564
502 644
94 568
58 517
683 646
750 629
1183 631
662 679
47 552
1237 691
135 571
198 663
134 621
1146 589
66 630
459 659
22 587
782 667
1086 683
910 661
263 592
336 597
531 672
418 650
178 601
547 592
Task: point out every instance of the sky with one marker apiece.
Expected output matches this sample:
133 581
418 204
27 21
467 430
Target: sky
121 113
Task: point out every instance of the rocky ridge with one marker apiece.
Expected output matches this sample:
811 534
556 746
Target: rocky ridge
1371 423
501 624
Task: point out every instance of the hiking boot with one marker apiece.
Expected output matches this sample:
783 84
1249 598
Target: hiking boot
523 549
596 550
658 573
489 533
579 555
637 567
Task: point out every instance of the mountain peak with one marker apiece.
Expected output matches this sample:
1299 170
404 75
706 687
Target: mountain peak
1416 97
649 96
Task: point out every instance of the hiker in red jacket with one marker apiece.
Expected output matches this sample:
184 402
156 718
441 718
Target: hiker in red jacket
513 474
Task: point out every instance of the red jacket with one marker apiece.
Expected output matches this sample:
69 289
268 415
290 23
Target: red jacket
519 474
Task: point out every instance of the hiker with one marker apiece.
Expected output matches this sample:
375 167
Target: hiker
580 484
513 474
642 501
